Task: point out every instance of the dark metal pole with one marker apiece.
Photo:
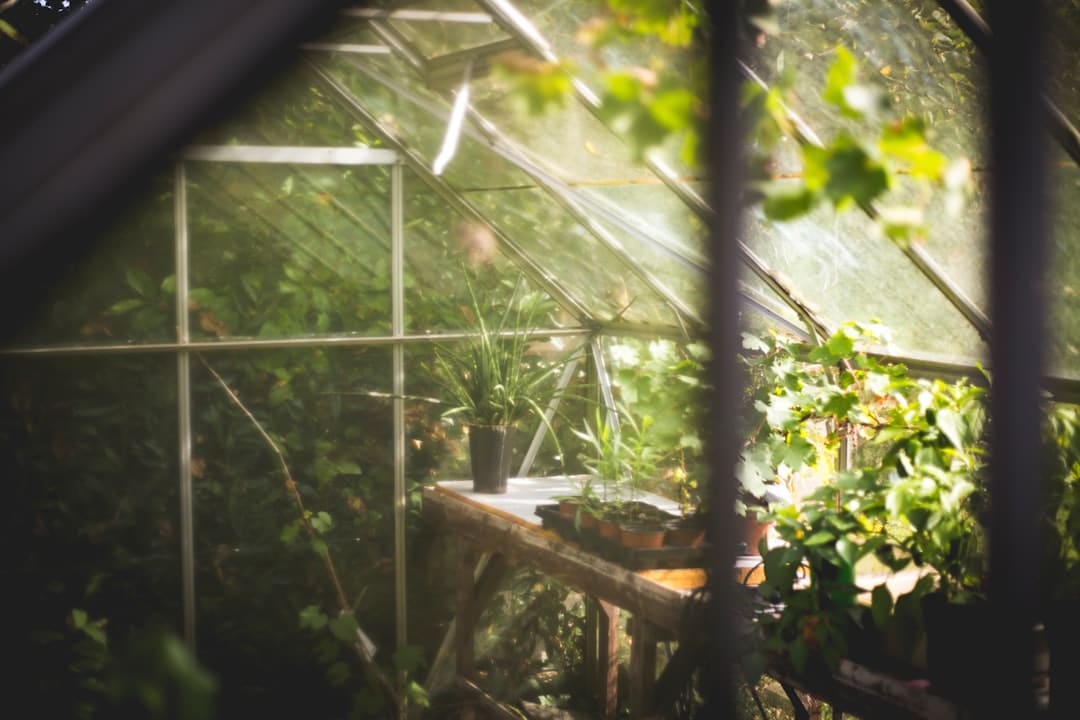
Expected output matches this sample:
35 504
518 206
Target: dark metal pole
1018 237
724 144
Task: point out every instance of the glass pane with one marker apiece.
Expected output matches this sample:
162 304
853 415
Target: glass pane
90 518
119 290
292 109
396 96
434 38
280 251
441 249
582 264
566 140
1063 86
846 271
910 49
328 413
1063 295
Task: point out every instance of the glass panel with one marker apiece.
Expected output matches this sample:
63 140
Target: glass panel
568 140
760 306
119 290
90 518
279 251
582 265
1063 85
441 247
956 242
838 263
910 49
439 38
1063 296
293 109
393 93
657 211
329 413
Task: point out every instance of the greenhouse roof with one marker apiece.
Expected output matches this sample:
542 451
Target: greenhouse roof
621 240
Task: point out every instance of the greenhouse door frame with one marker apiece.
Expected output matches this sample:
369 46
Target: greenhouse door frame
341 156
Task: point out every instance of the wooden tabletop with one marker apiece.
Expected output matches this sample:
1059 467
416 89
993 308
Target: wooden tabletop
507 523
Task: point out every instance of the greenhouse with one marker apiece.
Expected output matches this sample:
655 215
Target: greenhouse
279 275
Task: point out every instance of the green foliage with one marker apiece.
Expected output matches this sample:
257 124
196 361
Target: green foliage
845 170
495 379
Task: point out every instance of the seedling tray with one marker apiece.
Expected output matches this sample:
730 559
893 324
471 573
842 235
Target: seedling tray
665 557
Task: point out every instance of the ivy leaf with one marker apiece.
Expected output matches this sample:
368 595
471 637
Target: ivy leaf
840 345
799 452
140 282
788 204
853 175
841 75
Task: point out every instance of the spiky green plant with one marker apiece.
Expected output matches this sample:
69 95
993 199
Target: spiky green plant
494 378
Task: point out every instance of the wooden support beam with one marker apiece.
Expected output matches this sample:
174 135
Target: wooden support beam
642 668
465 618
491 706
608 661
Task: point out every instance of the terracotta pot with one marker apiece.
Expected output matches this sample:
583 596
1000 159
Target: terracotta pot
641 536
752 531
588 520
608 527
568 509
684 536
489 452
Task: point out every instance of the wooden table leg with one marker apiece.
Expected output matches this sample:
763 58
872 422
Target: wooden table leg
642 668
607 676
465 619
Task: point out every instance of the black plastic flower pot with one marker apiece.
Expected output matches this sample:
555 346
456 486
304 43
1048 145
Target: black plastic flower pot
489 453
959 646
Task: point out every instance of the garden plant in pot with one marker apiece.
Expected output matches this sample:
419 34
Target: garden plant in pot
494 381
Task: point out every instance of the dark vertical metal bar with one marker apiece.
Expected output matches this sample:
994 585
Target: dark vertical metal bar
724 158
1018 237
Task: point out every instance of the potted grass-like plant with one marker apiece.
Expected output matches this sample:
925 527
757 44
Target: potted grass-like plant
494 381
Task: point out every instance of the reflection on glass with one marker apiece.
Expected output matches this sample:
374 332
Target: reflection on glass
848 271
281 251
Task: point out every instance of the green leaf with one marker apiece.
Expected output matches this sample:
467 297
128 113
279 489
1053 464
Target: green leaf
951 425
140 282
840 345
881 604
841 75
78 618
126 306
312 617
409 658
853 175
821 537
799 452
788 204
344 628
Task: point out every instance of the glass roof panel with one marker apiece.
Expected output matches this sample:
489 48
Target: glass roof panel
1063 82
909 48
434 38
396 97
117 292
839 264
568 140
583 266
273 243
441 249
1063 295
